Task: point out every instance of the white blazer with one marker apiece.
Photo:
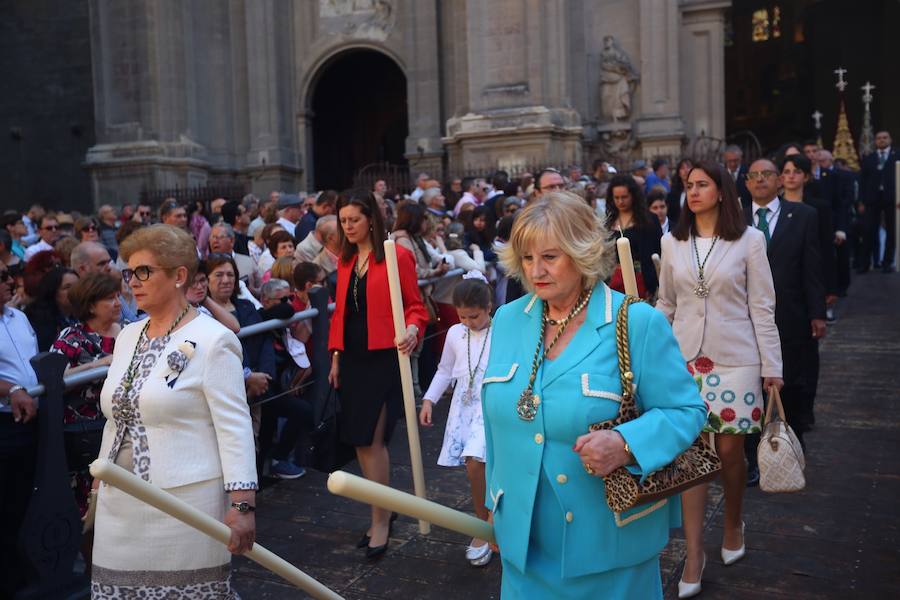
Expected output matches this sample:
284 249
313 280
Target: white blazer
735 324
200 428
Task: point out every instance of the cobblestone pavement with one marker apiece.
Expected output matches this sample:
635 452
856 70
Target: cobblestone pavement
839 538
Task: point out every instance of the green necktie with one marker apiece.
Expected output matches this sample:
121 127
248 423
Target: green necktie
763 224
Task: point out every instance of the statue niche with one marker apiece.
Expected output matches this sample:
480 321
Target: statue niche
618 78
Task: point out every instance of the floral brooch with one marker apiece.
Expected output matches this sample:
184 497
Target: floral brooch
178 360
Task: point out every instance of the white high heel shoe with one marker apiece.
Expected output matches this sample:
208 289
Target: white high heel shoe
479 556
729 557
689 590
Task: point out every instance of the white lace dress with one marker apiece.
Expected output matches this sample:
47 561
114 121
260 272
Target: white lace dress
464 435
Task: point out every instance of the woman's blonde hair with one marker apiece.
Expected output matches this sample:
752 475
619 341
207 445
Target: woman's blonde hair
575 227
283 268
171 246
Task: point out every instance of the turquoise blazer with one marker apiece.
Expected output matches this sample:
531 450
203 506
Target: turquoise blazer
580 387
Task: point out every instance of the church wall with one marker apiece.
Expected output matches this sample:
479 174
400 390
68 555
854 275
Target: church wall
47 104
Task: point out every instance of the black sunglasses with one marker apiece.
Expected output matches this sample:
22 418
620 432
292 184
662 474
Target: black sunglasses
50 227
6 276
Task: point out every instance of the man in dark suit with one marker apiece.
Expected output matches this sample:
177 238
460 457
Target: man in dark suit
838 191
733 159
791 231
877 182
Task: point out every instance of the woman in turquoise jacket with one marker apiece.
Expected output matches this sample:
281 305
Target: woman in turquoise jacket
552 373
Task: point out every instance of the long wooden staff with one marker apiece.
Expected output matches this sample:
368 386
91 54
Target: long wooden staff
145 492
623 247
409 399
352 486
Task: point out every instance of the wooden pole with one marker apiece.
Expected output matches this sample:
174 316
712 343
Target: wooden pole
358 488
145 492
409 399
623 247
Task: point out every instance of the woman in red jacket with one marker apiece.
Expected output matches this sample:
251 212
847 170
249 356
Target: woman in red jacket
363 346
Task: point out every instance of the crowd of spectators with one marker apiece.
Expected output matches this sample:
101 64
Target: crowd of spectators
261 257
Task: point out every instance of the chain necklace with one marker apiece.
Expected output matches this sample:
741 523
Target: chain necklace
131 373
527 405
359 269
701 289
472 372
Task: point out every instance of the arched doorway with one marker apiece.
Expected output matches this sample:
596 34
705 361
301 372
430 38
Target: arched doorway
359 116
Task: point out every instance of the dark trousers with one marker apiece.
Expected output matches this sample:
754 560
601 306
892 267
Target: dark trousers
298 417
18 445
874 212
842 257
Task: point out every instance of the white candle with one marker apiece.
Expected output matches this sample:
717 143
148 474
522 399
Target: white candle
623 247
409 399
348 485
657 262
145 492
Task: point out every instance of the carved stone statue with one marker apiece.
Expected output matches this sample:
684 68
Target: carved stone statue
618 78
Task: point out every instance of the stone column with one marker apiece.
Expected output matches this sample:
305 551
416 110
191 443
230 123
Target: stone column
272 160
660 128
423 145
518 84
143 101
703 58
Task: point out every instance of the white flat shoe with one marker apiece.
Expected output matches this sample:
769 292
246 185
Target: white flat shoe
729 557
478 556
689 590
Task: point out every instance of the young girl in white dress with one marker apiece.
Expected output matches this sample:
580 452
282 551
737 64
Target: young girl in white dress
463 360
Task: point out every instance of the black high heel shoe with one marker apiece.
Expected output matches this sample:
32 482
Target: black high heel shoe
377 551
364 540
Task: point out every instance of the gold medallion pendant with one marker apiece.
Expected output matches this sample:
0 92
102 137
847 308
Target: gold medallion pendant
525 407
701 290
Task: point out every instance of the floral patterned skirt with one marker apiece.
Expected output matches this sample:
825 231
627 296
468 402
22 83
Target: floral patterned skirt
733 395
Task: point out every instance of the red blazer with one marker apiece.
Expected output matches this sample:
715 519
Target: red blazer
378 302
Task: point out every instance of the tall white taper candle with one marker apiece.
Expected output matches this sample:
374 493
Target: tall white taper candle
150 494
409 399
352 486
623 247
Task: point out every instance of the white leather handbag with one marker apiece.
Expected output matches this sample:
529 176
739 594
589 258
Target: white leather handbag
779 453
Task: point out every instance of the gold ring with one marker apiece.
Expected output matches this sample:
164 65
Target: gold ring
588 468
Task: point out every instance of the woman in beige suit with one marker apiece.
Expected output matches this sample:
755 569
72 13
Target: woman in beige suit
716 289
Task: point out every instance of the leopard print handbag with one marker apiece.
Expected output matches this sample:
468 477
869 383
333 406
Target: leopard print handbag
698 464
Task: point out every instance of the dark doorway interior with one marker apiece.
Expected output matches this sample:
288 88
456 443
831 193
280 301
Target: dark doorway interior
359 117
780 59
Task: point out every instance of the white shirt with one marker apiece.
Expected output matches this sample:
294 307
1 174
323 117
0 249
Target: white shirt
291 228
774 209
18 344
33 249
665 226
416 194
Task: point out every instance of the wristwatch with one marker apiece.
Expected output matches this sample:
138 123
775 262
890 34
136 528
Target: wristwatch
7 400
243 507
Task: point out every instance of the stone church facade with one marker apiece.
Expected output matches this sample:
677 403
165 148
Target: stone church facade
207 91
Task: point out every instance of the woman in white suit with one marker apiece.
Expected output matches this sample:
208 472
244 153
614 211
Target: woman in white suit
716 289
178 418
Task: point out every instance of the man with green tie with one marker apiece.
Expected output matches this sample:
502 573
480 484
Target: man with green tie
791 230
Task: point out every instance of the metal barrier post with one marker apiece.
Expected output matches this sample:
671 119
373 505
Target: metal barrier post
320 359
51 532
